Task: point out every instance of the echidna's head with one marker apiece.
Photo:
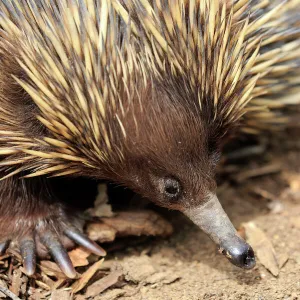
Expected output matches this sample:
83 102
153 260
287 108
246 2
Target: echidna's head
170 155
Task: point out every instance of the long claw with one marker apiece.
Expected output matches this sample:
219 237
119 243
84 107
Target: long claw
27 248
59 254
3 247
79 238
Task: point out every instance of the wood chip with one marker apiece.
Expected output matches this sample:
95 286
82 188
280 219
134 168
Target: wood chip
16 282
101 233
101 207
263 193
263 247
136 223
42 285
59 283
51 269
35 294
61 295
79 257
103 284
129 223
86 276
48 281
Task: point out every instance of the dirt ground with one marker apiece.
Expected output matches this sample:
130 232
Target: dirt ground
262 198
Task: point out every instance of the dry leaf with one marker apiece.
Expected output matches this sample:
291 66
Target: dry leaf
263 247
104 283
79 257
282 260
86 276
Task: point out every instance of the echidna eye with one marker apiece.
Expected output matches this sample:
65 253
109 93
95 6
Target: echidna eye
172 188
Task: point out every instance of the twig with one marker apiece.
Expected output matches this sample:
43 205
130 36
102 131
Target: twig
246 152
262 171
8 293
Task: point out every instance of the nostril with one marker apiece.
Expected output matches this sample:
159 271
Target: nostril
249 261
239 253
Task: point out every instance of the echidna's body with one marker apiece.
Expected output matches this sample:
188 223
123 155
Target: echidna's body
142 93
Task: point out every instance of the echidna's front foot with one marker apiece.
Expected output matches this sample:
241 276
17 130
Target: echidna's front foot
53 234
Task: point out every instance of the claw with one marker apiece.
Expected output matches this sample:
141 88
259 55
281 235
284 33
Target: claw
3 247
79 238
27 248
59 254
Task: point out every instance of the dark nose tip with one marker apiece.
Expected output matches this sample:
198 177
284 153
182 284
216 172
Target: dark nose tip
240 254
242 257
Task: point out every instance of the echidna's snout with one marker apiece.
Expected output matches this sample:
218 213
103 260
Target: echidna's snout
238 252
213 220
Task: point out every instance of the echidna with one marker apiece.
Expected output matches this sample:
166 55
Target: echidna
143 93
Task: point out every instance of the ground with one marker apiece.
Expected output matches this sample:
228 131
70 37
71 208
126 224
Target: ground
262 199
